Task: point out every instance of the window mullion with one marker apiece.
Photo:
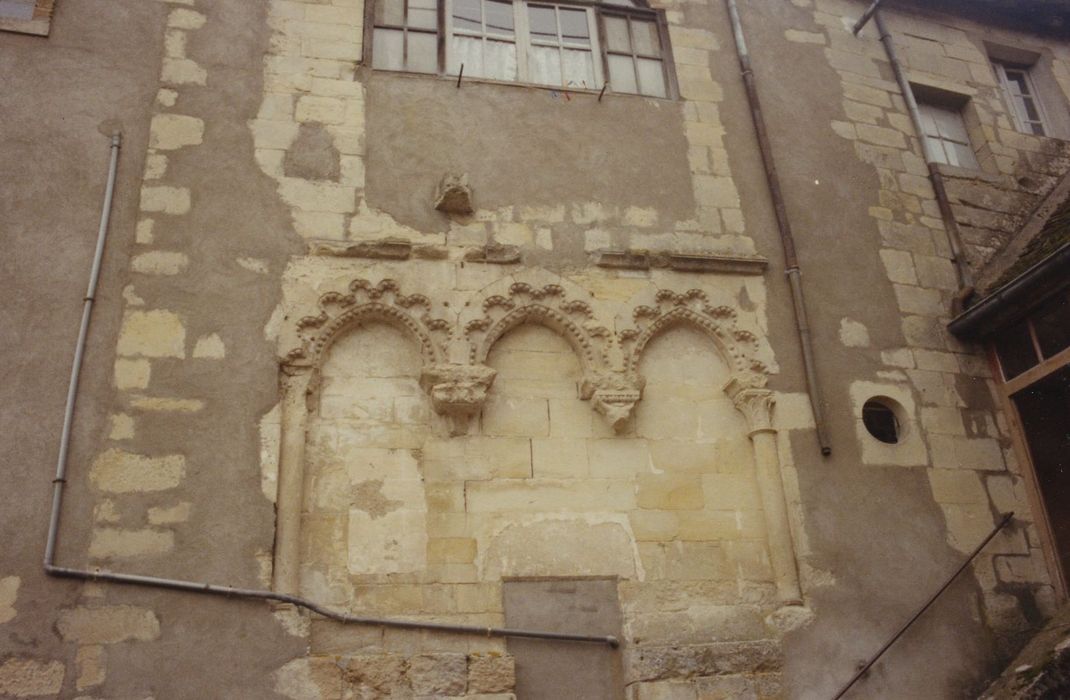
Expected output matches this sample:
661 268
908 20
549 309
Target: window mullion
1035 96
596 46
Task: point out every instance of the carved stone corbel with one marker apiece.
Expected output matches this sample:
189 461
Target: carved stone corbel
614 395
457 391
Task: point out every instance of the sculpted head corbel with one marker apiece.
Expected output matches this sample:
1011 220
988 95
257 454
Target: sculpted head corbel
457 391
613 394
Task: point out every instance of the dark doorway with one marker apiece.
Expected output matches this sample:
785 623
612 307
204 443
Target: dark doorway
1044 408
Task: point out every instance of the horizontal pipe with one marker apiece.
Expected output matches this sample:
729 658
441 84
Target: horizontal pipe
252 593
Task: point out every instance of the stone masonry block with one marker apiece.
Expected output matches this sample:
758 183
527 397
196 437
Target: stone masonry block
491 673
549 495
172 131
25 677
899 265
956 452
118 471
108 543
166 200
439 674
559 458
957 486
670 491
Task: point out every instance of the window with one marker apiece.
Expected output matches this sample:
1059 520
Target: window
620 46
26 16
945 135
1021 96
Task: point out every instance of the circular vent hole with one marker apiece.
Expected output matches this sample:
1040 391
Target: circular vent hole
880 419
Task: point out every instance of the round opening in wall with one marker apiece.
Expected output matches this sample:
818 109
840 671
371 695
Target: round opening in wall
879 417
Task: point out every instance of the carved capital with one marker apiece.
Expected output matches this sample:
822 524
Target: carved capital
457 391
614 395
756 405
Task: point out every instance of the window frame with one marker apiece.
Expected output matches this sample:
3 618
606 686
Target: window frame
927 104
596 12
1021 121
39 23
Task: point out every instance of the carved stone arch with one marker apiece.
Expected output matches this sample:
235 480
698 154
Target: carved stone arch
363 302
737 347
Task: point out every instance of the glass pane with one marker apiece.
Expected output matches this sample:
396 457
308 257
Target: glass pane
1031 111
544 64
16 9
1052 324
621 74
651 77
928 123
617 34
500 60
421 18
1036 128
543 21
578 67
387 52
468 51
499 18
423 52
950 124
390 12
1016 82
466 15
1015 350
961 155
645 35
936 149
574 29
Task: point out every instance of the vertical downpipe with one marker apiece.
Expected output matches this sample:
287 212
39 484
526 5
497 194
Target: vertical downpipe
787 241
79 352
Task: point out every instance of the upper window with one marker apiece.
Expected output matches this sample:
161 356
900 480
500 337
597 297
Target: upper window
1021 96
26 16
946 136
620 46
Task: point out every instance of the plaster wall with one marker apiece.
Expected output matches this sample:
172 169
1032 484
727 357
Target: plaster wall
266 169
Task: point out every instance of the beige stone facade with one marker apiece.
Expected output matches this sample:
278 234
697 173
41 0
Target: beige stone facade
303 377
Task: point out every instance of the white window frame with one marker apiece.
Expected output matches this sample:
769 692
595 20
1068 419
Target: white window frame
1022 122
595 12
935 142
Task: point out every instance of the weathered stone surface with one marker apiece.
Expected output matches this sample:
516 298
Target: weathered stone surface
439 674
454 195
380 673
491 673
653 663
121 543
119 471
108 625
152 334
28 678
90 661
9 589
171 131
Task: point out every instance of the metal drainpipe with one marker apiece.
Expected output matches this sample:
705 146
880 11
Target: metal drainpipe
962 270
791 261
198 587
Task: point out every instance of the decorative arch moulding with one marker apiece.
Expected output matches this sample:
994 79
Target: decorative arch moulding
455 351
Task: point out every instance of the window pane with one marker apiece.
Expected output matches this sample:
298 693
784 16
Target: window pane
651 77
421 18
500 60
646 39
621 74
950 124
544 64
468 51
1016 82
390 12
1031 112
1015 350
960 155
466 15
499 18
1036 128
1052 324
579 68
423 52
387 49
617 34
936 149
574 27
543 21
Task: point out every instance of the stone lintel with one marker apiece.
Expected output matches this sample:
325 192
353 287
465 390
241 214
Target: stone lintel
682 262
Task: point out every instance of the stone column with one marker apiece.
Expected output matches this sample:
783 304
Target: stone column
757 407
290 498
